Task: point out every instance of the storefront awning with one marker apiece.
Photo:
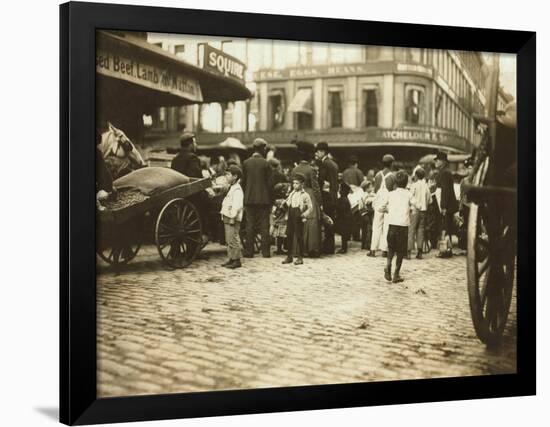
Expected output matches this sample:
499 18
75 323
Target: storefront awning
144 74
302 102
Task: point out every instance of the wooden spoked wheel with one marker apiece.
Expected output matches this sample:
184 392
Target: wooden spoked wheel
178 233
119 244
490 265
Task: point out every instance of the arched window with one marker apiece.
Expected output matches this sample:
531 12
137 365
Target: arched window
335 108
370 103
414 105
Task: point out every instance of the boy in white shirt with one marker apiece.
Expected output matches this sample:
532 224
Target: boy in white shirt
422 198
398 206
232 215
299 208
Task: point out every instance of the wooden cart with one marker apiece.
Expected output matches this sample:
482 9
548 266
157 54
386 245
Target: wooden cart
170 219
492 218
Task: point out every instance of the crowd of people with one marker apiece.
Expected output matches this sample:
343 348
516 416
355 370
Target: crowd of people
301 209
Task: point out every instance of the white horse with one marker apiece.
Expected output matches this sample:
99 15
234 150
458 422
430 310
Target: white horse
120 154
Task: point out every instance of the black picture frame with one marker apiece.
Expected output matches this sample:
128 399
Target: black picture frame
78 401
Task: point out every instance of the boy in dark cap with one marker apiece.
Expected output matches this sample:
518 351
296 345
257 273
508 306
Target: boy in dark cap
232 215
299 208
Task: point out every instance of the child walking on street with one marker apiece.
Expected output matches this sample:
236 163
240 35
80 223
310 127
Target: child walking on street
299 208
398 207
232 215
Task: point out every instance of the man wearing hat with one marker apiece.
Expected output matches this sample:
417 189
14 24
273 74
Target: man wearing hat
257 198
328 174
353 175
384 182
186 161
449 203
312 227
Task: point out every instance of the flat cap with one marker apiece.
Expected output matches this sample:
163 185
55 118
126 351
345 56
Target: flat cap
388 158
299 177
441 156
235 170
186 138
322 146
259 143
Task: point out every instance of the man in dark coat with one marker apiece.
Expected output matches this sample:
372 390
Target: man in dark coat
353 175
186 161
328 173
256 181
449 202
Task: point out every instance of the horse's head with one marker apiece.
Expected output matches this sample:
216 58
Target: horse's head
115 143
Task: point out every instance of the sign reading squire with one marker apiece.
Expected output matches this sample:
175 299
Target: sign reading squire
221 63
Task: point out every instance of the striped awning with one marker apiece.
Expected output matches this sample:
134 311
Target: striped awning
302 102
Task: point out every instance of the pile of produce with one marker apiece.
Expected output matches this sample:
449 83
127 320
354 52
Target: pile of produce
124 199
151 180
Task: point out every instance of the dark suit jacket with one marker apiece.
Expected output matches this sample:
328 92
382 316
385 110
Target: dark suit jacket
328 171
353 176
187 163
256 181
448 197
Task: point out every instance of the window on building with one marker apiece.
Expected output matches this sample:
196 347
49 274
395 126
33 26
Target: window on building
179 49
304 121
182 118
159 118
414 105
335 108
415 54
372 53
302 105
276 106
370 107
305 50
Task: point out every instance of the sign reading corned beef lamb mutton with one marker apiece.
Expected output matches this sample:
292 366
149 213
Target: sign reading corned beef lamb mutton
147 74
223 64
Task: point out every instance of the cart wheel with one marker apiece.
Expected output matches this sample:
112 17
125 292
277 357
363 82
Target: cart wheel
178 233
120 244
490 265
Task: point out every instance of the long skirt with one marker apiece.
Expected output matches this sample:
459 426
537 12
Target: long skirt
312 228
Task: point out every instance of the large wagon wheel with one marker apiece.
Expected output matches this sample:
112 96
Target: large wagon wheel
119 244
490 265
178 233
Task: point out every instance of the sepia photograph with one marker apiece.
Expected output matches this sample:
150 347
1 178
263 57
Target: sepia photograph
280 213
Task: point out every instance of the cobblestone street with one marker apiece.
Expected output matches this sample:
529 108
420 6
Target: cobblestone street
331 320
